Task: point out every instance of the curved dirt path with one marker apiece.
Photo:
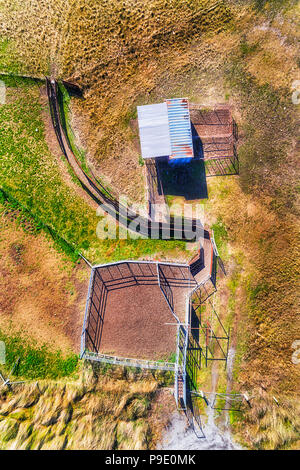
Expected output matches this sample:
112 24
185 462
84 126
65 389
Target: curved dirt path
101 196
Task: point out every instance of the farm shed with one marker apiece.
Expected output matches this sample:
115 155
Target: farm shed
165 130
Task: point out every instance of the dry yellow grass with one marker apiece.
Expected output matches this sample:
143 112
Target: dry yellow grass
94 412
130 53
262 261
128 45
269 425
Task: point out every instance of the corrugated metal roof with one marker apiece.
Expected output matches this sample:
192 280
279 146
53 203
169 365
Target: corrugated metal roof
154 130
180 128
165 129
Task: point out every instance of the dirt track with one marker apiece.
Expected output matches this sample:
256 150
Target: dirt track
111 205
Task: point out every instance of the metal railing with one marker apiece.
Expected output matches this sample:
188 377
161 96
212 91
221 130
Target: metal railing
129 362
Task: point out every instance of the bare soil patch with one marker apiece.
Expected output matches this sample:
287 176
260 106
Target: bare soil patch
137 324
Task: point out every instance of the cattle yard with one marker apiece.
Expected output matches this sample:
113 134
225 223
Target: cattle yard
214 137
134 307
131 309
157 315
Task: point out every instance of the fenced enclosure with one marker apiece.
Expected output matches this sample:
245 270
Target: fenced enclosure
194 412
211 333
166 290
174 282
203 338
215 135
218 401
130 311
180 371
155 193
209 121
222 166
138 313
193 362
97 303
189 352
227 401
203 292
123 274
104 280
130 362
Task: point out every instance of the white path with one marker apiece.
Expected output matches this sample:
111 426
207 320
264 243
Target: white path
181 437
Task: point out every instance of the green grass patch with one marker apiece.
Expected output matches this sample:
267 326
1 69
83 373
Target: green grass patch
129 116
13 81
7 53
64 102
33 225
172 357
246 48
221 237
141 161
36 362
31 178
30 175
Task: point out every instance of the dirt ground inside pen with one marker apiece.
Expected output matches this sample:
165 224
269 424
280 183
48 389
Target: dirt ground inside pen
138 323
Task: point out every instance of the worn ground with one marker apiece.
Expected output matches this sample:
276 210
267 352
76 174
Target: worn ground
42 294
135 324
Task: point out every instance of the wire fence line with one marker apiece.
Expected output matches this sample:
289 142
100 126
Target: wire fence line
129 362
126 272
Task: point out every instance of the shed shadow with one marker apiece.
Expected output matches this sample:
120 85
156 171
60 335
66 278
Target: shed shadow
184 177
